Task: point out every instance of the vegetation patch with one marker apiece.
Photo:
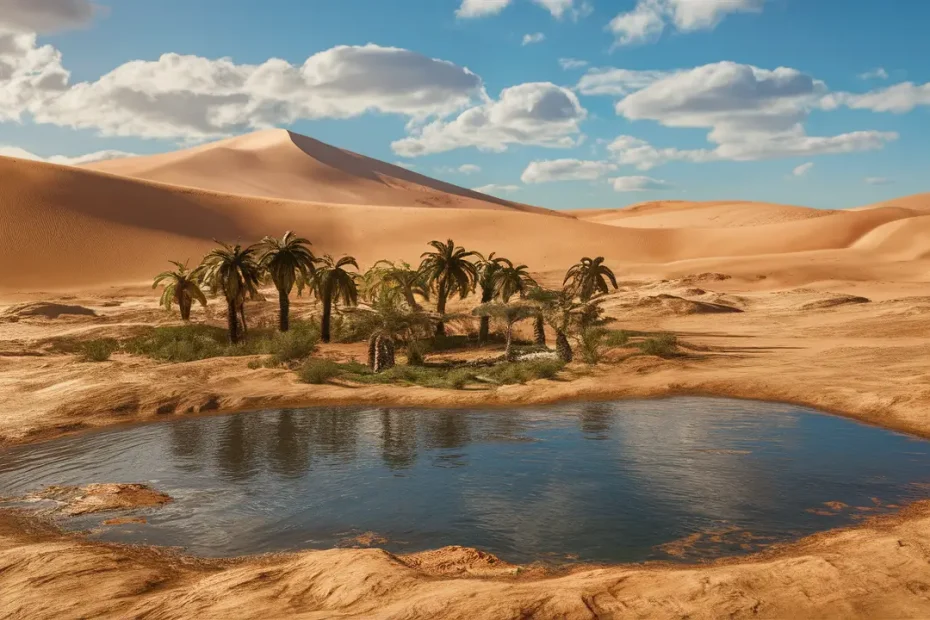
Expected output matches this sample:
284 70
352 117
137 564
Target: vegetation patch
98 350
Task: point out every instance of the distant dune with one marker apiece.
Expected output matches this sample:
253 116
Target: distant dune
119 222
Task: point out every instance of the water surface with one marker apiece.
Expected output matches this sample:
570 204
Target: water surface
590 481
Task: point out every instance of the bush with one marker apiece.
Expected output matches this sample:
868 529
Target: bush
617 338
318 371
416 352
665 346
521 372
297 344
591 344
97 350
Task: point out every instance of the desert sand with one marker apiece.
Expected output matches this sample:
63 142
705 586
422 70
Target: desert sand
833 313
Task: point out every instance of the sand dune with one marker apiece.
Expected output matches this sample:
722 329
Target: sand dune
77 227
684 214
280 164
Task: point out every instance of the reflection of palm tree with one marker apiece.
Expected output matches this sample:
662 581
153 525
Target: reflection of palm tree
335 432
596 419
237 451
290 447
187 443
398 439
447 429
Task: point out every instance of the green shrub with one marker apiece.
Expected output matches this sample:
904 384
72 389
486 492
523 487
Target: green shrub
665 345
180 343
97 350
416 352
591 344
297 344
318 371
521 372
617 338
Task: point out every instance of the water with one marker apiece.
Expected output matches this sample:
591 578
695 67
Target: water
589 482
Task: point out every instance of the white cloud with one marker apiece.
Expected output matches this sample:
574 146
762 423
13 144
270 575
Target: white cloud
530 39
616 82
494 189
638 184
649 18
803 169
469 169
481 8
537 113
558 8
45 15
878 181
406 165
898 99
572 63
874 74
751 113
566 170
15 151
193 98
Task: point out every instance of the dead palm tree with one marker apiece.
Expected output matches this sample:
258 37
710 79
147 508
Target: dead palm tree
589 277
181 288
334 285
289 262
511 313
449 271
488 270
235 271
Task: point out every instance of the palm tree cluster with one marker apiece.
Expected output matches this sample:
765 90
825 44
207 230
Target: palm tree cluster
386 301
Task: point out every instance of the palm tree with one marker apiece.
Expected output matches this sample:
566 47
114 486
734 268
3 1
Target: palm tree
387 319
511 313
543 301
235 271
449 272
399 278
588 277
514 281
488 270
288 261
181 289
333 284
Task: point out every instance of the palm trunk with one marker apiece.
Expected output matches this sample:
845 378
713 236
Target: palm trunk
441 309
245 326
508 353
539 330
483 332
185 305
411 300
232 320
327 312
373 352
562 348
384 353
284 311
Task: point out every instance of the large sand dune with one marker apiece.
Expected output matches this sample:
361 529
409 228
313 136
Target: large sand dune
76 227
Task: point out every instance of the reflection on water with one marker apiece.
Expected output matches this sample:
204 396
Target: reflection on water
600 481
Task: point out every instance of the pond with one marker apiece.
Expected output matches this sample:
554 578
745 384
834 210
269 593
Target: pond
675 479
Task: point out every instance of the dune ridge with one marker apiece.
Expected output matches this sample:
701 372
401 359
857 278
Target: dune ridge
118 222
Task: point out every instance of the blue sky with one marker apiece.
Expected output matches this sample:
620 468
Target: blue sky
668 99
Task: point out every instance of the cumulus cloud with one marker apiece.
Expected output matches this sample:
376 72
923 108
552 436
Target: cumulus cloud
565 170
469 169
191 97
898 99
874 74
803 169
537 113
572 63
616 82
751 114
45 15
530 39
495 189
637 184
14 151
649 18
470 9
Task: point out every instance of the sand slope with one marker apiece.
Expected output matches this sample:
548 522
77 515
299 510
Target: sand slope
280 164
76 227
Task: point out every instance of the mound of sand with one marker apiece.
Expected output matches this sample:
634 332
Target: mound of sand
833 302
280 164
684 214
458 561
46 310
672 304
103 497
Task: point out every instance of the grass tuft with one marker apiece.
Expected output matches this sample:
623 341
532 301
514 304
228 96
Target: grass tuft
98 350
318 371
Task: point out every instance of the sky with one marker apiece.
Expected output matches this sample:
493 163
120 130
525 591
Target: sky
559 103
